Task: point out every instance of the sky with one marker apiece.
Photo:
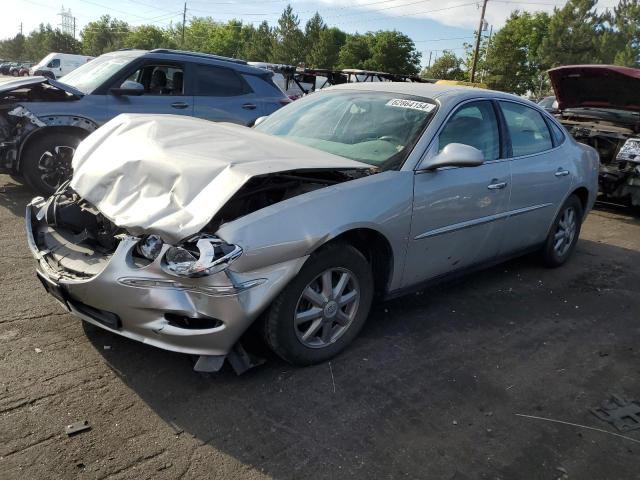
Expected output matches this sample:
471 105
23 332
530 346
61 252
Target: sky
434 25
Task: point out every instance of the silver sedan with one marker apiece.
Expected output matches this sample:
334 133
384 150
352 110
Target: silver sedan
182 233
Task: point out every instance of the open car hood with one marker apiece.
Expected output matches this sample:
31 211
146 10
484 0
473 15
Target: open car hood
170 174
596 86
31 81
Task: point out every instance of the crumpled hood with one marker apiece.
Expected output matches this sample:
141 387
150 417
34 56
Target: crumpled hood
597 86
170 174
31 81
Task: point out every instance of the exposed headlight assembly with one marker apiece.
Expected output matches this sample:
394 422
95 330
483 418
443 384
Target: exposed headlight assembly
150 246
200 256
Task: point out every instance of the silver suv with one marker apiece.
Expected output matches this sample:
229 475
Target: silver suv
42 120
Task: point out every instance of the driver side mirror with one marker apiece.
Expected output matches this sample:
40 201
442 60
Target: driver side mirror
454 155
128 87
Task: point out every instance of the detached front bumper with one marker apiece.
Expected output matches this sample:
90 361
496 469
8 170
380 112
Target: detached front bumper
201 316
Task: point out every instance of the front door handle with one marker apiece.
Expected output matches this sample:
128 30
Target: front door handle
497 186
561 172
179 105
249 106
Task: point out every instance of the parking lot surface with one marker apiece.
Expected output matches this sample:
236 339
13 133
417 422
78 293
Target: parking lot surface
431 389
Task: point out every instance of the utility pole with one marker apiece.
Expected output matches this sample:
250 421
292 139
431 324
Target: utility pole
430 53
486 54
74 27
477 49
20 28
184 19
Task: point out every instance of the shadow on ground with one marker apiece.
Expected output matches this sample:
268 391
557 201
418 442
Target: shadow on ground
430 388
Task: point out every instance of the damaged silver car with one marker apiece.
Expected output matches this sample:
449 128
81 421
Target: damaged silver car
181 233
600 106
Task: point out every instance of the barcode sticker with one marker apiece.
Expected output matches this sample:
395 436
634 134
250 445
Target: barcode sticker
401 103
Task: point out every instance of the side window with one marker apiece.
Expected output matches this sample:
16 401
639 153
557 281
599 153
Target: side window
219 82
55 63
528 130
474 124
556 133
160 79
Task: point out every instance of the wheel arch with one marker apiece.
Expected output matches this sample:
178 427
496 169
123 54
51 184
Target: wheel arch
55 125
376 248
582 193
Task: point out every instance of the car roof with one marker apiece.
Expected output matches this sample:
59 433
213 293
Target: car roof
197 57
449 93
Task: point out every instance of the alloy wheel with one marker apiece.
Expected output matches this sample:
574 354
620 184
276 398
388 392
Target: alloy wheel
55 165
327 307
565 231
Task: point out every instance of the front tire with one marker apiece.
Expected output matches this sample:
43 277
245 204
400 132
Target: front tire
46 161
564 233
323 308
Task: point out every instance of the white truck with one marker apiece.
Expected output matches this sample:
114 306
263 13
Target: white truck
58 64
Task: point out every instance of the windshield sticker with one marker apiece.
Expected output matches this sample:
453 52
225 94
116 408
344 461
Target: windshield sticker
401 103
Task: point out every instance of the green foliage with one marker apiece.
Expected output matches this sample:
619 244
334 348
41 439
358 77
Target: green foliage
38 44
447 66
288 43
393 52
355 51
104 35
258 46
325 52
148 37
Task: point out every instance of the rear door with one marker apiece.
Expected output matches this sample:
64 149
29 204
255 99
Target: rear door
458 213
540 175
165 90
223 95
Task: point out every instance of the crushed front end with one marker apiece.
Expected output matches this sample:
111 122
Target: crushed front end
183 298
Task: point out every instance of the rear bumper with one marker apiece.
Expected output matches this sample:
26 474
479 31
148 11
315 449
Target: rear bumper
143 303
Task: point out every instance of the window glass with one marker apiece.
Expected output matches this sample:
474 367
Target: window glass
473 124
378 128
55 63
160 79
219 82
528 130
556 132
93 74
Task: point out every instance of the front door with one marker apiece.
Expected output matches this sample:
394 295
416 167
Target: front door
458 213
165 91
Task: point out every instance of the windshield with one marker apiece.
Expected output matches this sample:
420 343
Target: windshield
378 128
45 60
94 73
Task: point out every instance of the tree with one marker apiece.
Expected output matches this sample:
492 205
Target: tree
104 35
573 35
226 40
312 30
355 51
258 47
513 62
288 43
148 37
325 52
627 25
447 66
13 48
393 52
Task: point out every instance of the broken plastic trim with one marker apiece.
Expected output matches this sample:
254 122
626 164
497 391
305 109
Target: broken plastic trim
216 291
214 256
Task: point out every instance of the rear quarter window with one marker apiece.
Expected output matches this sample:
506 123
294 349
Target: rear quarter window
219 82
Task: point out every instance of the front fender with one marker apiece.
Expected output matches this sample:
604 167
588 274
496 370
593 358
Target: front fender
296 227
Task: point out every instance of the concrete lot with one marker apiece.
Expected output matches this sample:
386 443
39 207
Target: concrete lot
430 390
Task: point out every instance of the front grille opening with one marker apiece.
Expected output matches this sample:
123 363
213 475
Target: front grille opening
192 323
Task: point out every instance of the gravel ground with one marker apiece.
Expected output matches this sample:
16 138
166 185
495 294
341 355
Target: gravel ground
431 388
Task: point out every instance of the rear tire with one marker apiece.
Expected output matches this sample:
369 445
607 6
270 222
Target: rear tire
335 313
46 161
564 233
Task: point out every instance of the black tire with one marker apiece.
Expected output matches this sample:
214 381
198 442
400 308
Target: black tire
53 150
555 257
280 330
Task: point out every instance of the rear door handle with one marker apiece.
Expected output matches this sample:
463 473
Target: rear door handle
249 106
497 186
562 173
179 105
